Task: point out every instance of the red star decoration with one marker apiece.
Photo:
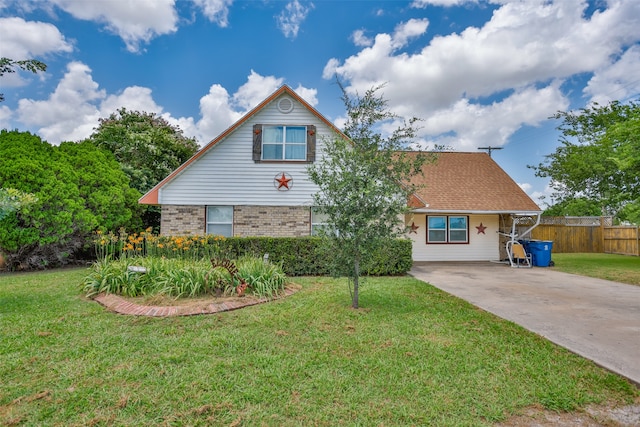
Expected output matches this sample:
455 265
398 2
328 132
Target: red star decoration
283 181
414 228
481 228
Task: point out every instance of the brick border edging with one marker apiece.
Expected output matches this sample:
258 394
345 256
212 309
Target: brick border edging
120 305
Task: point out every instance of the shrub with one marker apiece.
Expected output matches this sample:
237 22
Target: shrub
73 188
297 256
302 256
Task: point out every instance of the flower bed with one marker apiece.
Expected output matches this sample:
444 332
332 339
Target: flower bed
176 277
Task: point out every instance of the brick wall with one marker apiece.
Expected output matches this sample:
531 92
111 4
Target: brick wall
181 220
273 221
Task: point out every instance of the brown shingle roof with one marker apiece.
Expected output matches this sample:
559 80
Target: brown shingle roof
465 182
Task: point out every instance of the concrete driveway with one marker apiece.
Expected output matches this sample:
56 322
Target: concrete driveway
597 319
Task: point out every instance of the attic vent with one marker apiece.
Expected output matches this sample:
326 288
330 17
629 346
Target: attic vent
285 105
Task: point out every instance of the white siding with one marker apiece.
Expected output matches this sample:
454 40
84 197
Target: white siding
227 174
481 247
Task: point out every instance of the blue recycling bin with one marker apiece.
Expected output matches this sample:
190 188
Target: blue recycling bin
540 251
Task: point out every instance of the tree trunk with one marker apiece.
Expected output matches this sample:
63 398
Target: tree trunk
356 277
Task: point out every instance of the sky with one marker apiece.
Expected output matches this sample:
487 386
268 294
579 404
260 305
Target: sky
477 73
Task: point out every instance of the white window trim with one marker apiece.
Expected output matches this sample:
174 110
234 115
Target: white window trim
284 144
208 223
317 225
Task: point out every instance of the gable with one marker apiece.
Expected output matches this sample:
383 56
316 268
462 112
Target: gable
469 182
228 171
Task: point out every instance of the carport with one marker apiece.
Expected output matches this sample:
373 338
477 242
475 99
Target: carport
597 319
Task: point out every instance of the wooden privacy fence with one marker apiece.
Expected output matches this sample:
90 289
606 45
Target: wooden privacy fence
588 234
621 240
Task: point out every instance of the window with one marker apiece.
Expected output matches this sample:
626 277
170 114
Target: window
458 229
447 229
318 221
284 143
220 220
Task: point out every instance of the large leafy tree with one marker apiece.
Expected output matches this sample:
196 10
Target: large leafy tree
147 146
574 207
8 65
148 149
598 158
362 180
73 188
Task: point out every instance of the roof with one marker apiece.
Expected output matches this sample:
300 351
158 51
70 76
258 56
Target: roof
151 197
456 182
468 182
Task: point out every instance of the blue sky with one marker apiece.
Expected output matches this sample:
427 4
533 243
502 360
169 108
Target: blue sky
478 72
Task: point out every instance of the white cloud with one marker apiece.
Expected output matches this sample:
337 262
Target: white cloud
466 125
330 69
544 198
5 117
136 22
22 40
291 18
217 114
359 39
70 112
219 110
135 98
526 187
408 30
618 80
255 90
30 39
216 11
309 95
483 84
73 110
445 3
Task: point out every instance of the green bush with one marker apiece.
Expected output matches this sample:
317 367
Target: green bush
298 256
73 188
303 256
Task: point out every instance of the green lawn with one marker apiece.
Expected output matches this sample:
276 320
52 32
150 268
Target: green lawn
619 268
411 356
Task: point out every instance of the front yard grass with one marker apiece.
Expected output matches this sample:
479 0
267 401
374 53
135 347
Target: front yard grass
619 268
412 355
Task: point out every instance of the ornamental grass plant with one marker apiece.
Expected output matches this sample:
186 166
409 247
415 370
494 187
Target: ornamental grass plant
180 278
264 278
143 264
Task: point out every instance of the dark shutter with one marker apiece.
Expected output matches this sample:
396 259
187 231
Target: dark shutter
257 142
311 143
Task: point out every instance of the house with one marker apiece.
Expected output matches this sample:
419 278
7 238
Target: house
463 202
251 180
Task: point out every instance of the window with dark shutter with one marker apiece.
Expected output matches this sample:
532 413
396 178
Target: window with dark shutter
284 143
